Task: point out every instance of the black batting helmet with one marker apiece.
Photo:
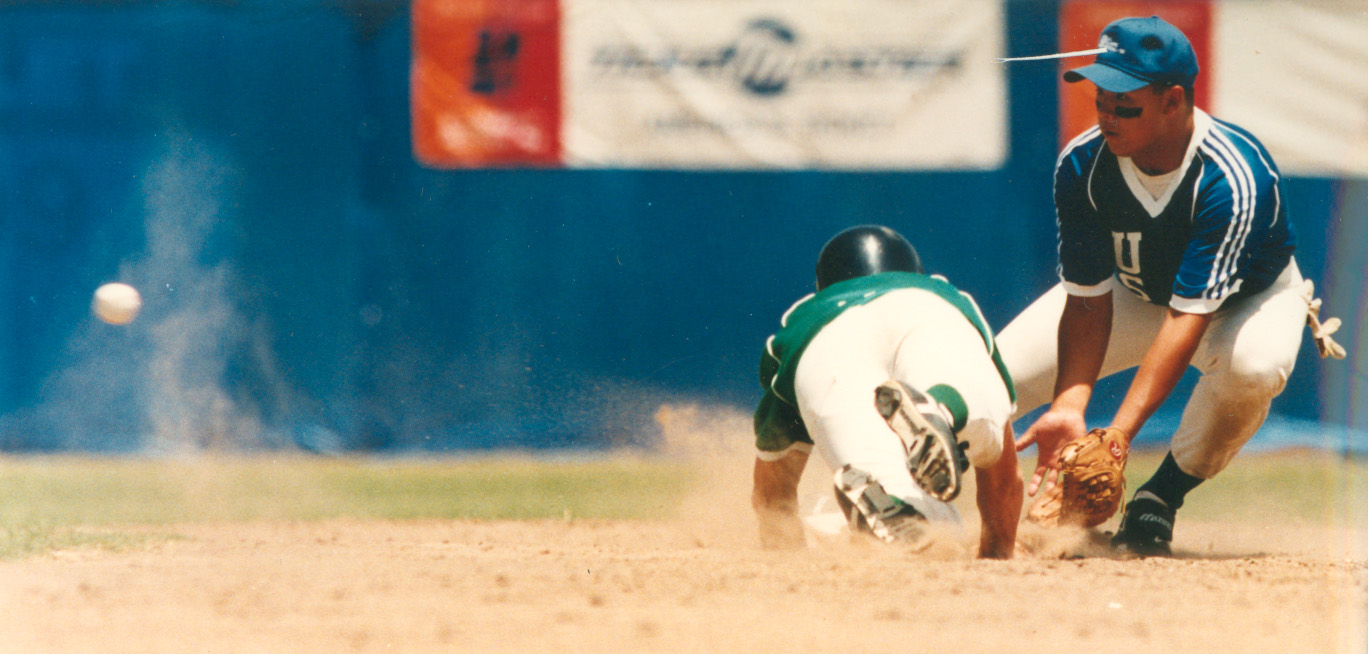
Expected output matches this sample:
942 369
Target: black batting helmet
865 250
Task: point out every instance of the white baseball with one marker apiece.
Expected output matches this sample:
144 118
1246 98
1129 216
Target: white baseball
117 304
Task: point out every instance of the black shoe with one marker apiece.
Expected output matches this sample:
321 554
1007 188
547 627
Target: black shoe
1146 529
935 456
870 509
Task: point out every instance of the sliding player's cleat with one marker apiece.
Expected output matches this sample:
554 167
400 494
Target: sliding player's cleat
935 456
869 509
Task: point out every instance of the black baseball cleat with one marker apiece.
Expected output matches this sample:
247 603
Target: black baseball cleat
935 456
870 509
1146 529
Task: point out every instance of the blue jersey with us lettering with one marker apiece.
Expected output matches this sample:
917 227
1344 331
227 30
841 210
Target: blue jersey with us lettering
1217 230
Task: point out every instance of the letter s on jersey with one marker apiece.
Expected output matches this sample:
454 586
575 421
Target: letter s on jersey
1126 245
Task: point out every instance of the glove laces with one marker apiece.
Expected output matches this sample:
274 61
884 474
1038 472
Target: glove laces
1321 331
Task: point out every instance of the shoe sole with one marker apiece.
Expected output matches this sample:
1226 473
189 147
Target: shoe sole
1158 549
933 454
1144 540
865 499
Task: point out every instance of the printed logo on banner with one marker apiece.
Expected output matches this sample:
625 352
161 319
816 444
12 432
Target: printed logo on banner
885 85
495 58
485 82
767 57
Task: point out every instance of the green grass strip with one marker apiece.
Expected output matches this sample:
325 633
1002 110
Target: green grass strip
64 491
56 503
18 541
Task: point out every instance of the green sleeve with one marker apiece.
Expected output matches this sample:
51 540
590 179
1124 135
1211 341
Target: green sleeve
769 366
778 425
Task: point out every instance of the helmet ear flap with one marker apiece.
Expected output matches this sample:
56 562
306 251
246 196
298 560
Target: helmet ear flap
863 251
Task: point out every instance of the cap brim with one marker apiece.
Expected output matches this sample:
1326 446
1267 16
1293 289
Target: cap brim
1106 78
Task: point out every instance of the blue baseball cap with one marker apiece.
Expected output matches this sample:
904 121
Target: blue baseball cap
1139 52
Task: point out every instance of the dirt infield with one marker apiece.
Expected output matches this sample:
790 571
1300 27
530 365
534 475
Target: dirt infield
695 584
630 587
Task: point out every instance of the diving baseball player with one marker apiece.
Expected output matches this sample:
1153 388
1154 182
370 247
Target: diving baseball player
894 377
1174 250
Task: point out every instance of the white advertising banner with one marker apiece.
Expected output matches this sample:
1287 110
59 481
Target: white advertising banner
827 84
1296 75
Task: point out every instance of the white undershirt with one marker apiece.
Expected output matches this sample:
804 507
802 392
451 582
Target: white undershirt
1157 185
1155 192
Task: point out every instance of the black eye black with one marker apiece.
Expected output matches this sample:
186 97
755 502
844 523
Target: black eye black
1128 112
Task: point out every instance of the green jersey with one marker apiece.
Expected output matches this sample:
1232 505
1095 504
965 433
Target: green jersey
777 421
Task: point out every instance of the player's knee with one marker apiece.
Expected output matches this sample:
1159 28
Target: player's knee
1254 375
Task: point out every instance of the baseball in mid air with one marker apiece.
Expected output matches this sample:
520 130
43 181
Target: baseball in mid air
116 303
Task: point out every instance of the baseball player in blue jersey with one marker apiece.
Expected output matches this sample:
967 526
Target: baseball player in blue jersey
894 377
1174 250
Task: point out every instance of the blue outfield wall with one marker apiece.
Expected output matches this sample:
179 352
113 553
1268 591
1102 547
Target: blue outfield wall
247 165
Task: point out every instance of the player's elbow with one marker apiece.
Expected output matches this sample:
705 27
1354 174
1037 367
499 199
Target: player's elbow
776 509
768 499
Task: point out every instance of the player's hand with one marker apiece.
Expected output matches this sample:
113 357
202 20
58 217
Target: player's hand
1049 434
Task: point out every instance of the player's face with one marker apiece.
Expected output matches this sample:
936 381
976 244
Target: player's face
1129 121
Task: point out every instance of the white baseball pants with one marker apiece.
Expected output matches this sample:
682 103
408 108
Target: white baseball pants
918 338
1245 359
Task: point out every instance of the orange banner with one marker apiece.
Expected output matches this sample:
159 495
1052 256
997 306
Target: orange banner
1080 25
485 83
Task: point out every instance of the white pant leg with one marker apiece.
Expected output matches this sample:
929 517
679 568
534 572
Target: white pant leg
953 354
844 364
1029 344
1246 357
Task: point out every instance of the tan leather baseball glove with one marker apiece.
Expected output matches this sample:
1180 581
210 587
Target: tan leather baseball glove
1092 481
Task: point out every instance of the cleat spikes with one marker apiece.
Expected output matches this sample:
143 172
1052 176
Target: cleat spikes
935 457
870 509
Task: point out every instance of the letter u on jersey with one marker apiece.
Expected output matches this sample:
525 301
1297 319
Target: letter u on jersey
1127 247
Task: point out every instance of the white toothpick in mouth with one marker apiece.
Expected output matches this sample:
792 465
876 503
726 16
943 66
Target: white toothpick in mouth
1061 55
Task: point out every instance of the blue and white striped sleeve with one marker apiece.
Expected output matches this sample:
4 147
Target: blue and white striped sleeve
1085 252
1236 205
